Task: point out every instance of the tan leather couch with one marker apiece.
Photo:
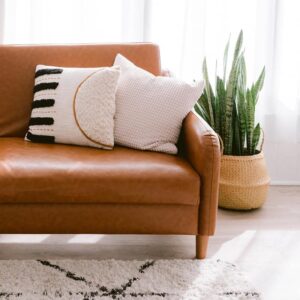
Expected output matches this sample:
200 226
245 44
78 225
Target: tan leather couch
68 189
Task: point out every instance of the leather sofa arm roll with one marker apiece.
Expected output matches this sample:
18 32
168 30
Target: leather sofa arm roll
202 150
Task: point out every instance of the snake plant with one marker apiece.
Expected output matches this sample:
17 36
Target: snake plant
229 107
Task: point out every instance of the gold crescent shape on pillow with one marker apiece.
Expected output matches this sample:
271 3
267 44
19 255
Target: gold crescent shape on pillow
85 110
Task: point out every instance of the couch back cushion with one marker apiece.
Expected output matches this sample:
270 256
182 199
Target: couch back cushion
17 69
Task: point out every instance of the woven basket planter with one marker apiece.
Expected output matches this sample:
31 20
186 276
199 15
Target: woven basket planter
244 182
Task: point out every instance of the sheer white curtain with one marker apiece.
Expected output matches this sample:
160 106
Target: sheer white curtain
72 21
188 30
2 11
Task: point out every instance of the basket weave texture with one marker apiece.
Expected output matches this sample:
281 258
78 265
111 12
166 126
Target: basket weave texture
244 182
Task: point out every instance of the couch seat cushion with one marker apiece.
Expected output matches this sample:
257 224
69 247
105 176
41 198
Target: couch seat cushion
42 173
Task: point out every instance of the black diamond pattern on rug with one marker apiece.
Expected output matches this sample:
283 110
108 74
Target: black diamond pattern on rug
103 291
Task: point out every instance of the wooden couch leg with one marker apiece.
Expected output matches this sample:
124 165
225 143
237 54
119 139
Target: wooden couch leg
201 246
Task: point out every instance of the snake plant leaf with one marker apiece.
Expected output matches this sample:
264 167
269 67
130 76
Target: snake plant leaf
256 136
229 103
256 88
217 116
225 60
201 112
202 107
236 144
243 74
205 104
198 109
220 104
238 47
208 92
213 99
250 120
231 94
242 118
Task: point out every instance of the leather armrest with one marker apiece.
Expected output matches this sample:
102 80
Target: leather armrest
202 150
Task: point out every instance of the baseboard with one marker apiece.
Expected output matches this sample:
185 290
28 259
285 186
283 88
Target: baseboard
282 182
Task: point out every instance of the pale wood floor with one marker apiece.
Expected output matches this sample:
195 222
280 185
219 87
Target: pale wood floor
264 243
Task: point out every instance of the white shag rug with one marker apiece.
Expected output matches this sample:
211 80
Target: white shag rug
113 279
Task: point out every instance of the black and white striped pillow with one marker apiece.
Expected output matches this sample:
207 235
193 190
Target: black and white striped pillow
74 106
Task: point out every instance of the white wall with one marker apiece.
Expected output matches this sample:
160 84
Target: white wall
1 20
283 165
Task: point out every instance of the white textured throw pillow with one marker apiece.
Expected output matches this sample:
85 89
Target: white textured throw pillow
74 106
150 109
